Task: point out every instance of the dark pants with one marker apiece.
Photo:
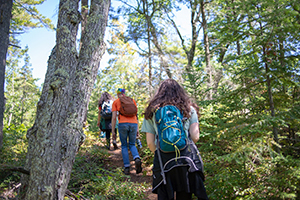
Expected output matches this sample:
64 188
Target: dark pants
163 195
108 133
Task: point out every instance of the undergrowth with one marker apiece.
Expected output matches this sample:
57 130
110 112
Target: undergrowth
90 178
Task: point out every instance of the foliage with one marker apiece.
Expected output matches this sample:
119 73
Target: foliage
256 99
255 58
94 180
123 71
90 177
25 15
14 145
21 91
13 154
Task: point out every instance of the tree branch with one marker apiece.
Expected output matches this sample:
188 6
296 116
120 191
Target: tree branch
13 45
34 15
14 169
179 34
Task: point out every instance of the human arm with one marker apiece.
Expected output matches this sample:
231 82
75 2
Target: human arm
113 124
194 132
150 137
193 127
138 131
99 118
149 128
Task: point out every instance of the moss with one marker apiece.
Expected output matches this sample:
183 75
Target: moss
59 78
63 30
74 16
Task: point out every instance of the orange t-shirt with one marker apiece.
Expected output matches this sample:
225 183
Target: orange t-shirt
123 119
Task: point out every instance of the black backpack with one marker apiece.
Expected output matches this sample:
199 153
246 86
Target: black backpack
106 108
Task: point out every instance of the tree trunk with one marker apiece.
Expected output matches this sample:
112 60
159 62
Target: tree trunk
5 16
270 94
84 14
209 69
272 108
190 52
163 59
146 11
57 133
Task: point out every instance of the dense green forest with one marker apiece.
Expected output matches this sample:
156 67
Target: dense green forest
239 62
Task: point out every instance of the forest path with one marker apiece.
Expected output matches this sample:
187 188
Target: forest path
116 160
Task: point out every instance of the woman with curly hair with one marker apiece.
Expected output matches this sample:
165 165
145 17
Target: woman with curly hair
105 124
179 179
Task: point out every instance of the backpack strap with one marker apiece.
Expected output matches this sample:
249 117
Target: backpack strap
157 149
160 161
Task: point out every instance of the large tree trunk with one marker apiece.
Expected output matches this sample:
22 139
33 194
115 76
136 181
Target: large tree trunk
57 133
5 16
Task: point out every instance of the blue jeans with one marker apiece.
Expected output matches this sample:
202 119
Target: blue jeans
128 130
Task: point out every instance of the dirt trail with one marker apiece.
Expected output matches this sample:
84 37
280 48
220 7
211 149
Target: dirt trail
115 159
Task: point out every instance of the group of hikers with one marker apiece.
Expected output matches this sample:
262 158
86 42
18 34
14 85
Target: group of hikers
172 128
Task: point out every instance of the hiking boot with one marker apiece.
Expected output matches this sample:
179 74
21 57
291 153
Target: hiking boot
115 146
127 170
138 165
107 146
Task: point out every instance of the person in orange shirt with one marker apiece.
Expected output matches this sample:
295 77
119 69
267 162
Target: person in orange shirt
128 131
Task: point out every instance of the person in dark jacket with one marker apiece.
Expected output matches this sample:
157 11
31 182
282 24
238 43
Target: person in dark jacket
105 124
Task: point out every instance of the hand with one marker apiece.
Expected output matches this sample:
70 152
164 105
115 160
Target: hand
98 124
113 134
137 133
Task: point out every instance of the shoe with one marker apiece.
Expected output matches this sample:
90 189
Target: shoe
115 146
107 146
127 170
138 165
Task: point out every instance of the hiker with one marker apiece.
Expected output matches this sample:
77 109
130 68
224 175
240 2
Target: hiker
180 171
104 118
128 129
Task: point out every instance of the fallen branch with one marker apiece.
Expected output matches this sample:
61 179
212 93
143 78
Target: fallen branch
10 192
14 169
75 196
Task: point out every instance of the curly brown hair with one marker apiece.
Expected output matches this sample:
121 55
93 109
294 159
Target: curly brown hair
170 93
105 96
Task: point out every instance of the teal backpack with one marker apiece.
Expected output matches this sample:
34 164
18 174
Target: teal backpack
171 134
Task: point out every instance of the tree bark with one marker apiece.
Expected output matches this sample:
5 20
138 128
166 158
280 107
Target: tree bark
270 94
57 133
272 108
209 69
5 16
146 11
84 14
